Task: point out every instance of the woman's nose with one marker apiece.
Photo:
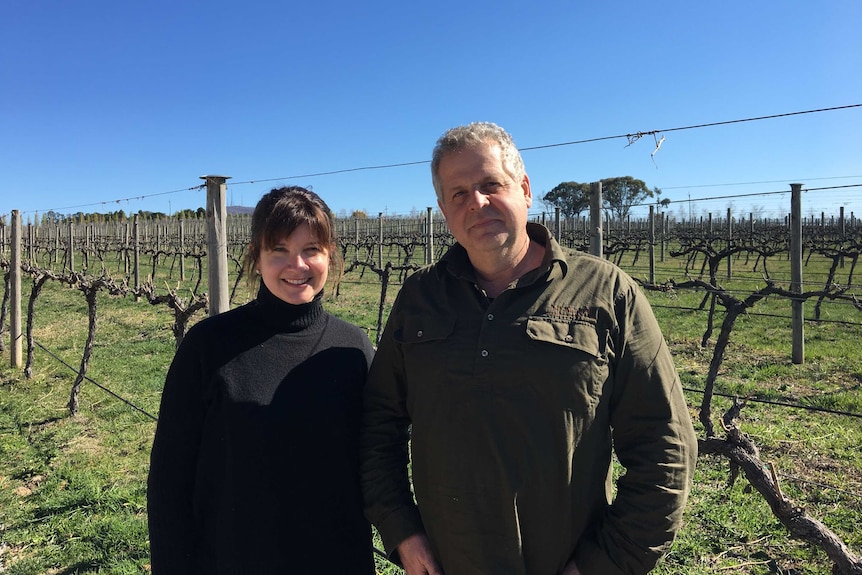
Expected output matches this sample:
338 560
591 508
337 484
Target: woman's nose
296 261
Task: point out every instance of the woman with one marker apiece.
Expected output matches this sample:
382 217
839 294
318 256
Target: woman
254 464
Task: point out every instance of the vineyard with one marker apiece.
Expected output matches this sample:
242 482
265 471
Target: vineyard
778 486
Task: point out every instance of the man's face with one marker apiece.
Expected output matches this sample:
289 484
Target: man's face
485 208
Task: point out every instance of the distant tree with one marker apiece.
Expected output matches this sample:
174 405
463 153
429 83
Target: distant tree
186 214
757 212
571 197
664 203
117 216
358 215
147 215
621 193
52 217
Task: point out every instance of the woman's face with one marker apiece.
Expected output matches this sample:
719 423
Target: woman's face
295 269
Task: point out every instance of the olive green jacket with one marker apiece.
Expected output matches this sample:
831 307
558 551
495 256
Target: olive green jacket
514 405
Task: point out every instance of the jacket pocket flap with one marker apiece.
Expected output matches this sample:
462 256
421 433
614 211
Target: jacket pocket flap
570 334
421 329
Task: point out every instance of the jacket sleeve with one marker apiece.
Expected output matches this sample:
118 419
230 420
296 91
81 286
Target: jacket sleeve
654 440
173 461
388 499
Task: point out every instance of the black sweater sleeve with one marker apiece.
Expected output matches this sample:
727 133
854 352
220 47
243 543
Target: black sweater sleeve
172 463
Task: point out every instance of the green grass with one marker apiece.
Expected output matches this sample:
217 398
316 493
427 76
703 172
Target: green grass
72 489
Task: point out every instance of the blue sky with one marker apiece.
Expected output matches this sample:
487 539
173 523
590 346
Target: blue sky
109 105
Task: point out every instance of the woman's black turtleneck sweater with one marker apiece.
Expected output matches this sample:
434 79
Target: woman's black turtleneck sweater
254 467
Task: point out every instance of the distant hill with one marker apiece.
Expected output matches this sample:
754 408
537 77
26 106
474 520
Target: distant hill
234 210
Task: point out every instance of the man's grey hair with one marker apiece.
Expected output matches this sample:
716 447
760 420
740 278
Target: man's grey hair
475 134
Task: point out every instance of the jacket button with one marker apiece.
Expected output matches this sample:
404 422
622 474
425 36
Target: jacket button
484 353
490 317
420 333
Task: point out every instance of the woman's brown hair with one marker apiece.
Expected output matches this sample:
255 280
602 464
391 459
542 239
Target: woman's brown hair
278 214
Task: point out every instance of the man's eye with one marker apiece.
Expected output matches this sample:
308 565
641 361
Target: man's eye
490 187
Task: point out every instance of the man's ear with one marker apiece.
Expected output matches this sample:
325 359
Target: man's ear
528 194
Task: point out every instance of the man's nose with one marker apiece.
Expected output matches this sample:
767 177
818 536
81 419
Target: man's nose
477 198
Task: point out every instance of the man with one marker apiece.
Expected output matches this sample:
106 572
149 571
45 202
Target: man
518 369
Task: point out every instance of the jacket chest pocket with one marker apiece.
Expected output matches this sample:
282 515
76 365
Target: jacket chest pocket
572 361
426 350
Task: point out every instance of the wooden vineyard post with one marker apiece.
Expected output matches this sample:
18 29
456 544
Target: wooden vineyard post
429 236
843 227
652 244
796 273
182 250
596 219
56 255
136 239
380 240
126 270
219 300
668 226
88 240
729 244
557 232
15 343
71 253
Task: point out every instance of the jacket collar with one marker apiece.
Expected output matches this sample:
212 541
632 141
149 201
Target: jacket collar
456 261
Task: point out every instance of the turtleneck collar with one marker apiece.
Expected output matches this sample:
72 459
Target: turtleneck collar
286 317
